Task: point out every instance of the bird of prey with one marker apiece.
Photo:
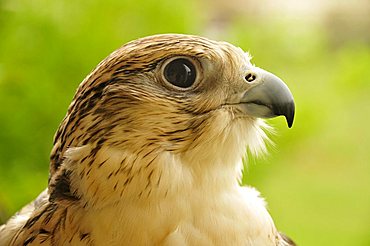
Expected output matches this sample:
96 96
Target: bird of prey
150 151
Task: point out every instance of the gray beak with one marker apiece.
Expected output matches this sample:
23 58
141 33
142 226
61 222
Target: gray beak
267 97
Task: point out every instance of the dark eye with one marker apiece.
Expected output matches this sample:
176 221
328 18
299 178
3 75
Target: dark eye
180 72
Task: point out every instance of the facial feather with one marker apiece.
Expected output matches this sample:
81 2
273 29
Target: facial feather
125 104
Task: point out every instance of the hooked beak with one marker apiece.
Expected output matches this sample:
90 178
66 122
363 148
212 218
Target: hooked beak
267 97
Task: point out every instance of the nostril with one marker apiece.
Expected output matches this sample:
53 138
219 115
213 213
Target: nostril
250 77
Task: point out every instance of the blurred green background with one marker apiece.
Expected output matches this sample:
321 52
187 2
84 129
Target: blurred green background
316 179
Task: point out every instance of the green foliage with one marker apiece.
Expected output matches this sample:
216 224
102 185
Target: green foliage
316 179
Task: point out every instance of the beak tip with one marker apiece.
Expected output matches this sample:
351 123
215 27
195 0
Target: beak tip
290 124
289 116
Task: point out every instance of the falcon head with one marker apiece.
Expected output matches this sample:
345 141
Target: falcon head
161 100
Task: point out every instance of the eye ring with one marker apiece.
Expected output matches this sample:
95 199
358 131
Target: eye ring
181 72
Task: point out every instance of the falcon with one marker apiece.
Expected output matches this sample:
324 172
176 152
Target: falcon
150 151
